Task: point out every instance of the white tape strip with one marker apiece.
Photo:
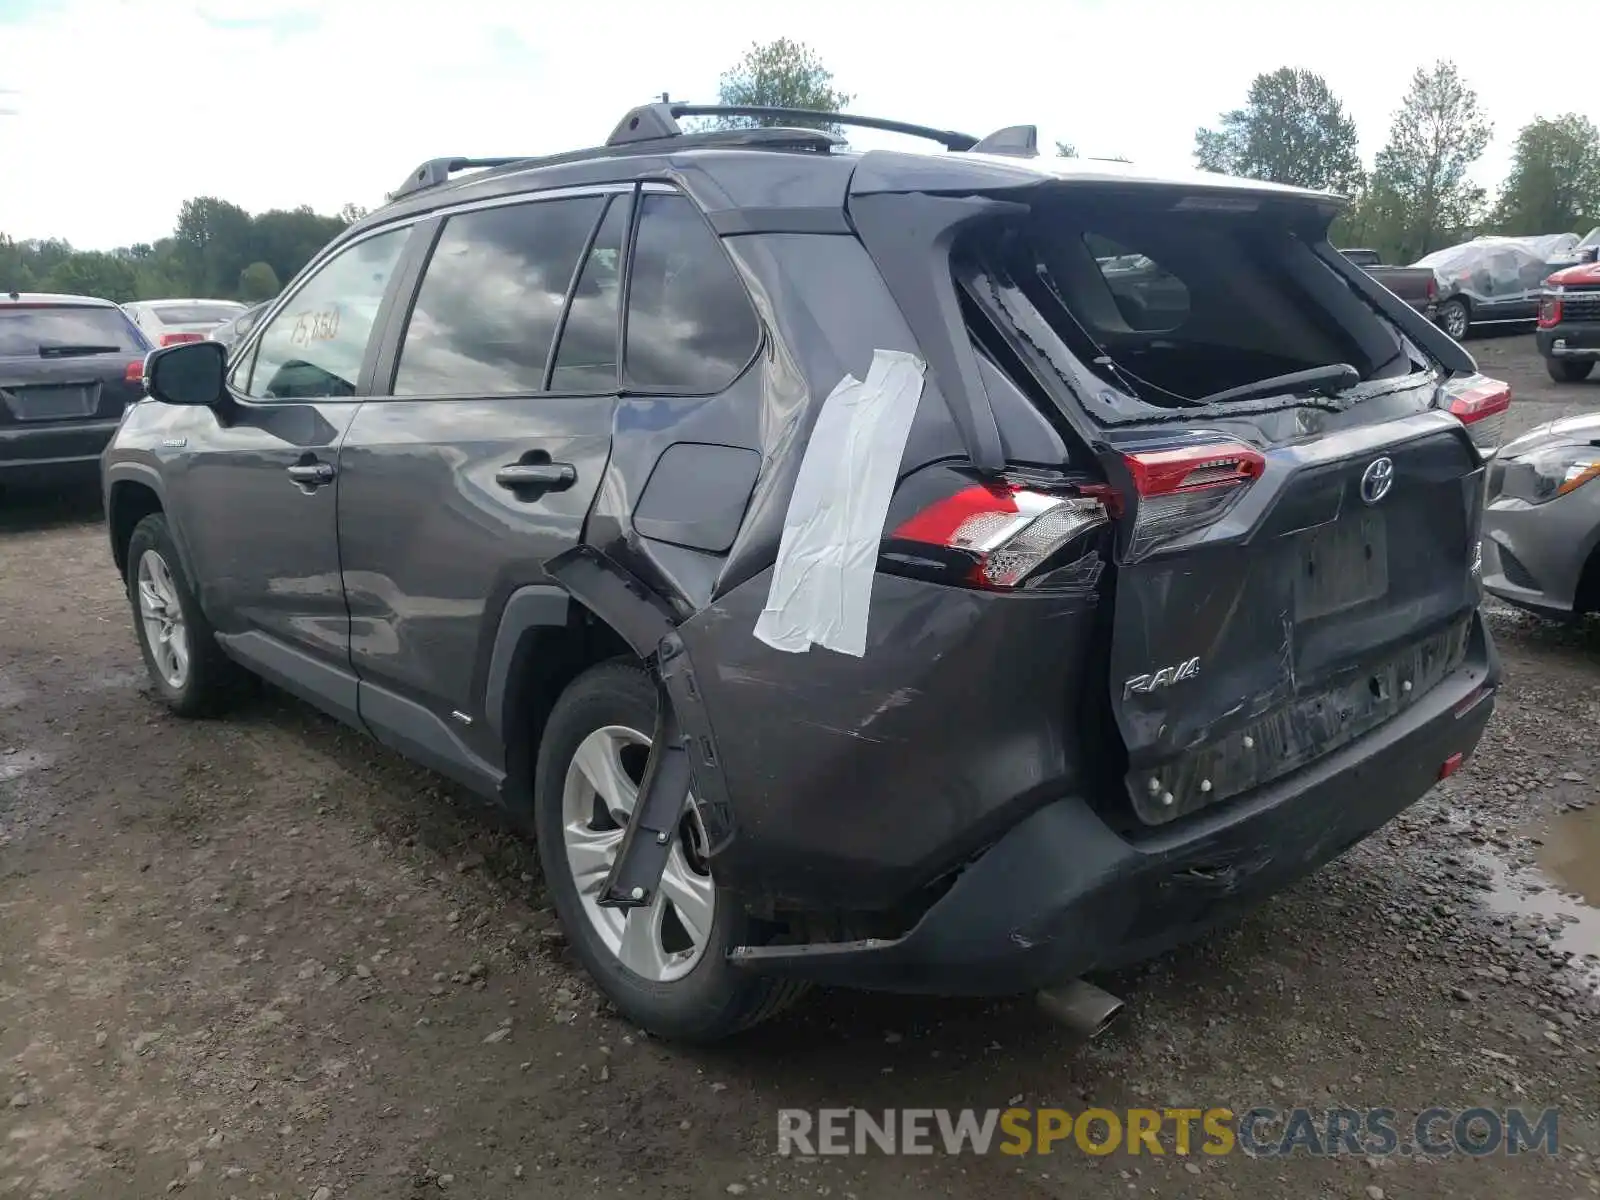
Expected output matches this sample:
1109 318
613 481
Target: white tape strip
822 582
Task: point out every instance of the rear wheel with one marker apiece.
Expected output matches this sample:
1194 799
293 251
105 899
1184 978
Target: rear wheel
1569 370
1452 317
190 673
665 966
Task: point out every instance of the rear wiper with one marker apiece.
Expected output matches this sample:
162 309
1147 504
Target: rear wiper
73 349
1334 377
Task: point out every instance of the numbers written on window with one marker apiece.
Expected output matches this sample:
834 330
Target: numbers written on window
691 326
491 299
313 348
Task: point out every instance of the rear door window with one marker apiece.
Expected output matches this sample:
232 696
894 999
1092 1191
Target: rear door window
586 360
313 348
61 330
491 299
691 325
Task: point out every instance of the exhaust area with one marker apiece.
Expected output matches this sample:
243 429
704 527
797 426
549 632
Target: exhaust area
1083 1008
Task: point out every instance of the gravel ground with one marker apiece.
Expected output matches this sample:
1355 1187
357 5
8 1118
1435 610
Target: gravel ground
263 957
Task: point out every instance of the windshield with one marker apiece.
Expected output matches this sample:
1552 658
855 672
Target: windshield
213 313
24 332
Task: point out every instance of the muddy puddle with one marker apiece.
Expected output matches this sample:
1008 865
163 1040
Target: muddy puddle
1559 888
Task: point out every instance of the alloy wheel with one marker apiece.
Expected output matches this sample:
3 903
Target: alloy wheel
162 616
663 941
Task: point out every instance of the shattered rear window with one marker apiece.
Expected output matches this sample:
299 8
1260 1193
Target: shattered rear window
1175 306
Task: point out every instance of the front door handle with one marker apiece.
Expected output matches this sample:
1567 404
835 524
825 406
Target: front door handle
312 475
537 476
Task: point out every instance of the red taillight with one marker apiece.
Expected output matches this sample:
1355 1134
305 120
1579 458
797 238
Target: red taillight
999 533
1192 468
1480 403
1451 765
1182 488
1433 290
174 339
134 372
1549 312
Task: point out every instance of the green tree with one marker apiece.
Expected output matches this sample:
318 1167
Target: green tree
1292 129
1066 150
258 281
214 243
286 239
1554 184
1421 198
16 270
351 213
94 273
780 74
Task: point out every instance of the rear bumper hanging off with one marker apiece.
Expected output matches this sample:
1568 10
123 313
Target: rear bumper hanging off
683 753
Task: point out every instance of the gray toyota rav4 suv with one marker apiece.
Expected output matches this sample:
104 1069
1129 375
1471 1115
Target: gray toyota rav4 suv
939 572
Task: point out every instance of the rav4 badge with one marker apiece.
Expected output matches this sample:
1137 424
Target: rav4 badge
1165 677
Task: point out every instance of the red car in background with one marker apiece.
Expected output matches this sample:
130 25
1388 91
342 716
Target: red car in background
1569 322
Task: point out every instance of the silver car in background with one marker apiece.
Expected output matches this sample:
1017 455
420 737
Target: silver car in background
230 332
1543 520
168 322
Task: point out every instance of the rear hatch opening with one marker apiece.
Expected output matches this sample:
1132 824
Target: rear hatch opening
1183 307
1295 507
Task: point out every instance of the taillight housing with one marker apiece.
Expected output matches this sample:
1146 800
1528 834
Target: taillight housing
1549 312
134 373
1480 403
175 339
996 535
1182 488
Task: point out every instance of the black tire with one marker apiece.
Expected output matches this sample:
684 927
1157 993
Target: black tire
714 999
1569 370
213 681
1455 318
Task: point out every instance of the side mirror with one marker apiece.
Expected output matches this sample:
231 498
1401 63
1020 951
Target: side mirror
189 373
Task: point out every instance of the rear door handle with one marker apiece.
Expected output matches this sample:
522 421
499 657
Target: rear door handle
537 477
312 474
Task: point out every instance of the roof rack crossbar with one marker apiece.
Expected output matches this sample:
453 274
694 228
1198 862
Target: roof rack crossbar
437 170
659 120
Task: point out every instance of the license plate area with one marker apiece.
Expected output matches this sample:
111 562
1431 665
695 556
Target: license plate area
51 402
1341 565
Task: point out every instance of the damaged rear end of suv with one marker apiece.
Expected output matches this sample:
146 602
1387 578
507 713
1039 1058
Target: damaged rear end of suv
943 573
1125 574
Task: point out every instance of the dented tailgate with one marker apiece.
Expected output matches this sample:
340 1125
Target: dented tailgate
1334 594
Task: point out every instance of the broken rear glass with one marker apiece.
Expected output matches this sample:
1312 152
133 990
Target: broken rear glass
1176 307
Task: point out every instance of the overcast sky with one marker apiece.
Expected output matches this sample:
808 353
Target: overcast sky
112 112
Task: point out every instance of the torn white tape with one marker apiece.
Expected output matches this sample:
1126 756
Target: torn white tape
828 552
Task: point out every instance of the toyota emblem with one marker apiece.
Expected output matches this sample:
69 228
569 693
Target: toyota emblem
1377 479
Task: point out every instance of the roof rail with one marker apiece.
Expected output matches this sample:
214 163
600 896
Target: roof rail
660 120
437 170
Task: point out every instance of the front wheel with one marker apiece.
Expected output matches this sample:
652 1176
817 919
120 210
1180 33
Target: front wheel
1453 317
664 966
190 673
1569 370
